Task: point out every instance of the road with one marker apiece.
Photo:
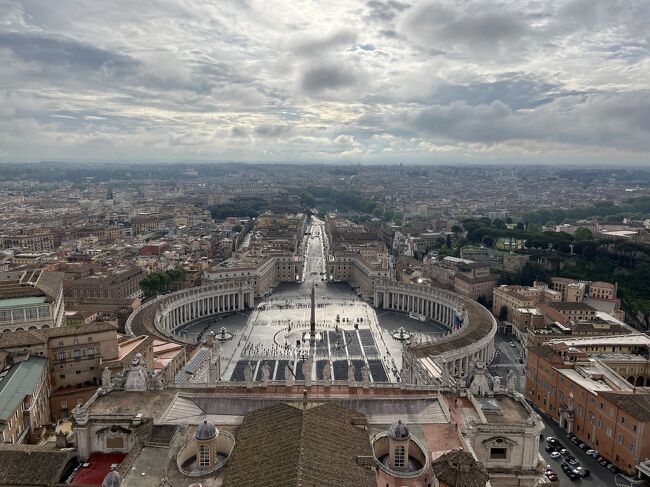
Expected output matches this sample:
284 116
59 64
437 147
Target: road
599 475
314 258
507 358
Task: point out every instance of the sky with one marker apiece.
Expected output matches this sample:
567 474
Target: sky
376 81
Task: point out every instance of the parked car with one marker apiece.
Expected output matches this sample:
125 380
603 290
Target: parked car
612 468
549 448
565 467
573 461
582 445
552 476
563 451
572 476
551 440
604 462
591 452
555 455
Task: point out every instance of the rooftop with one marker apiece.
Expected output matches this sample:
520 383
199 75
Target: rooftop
14 302
18 382
287 446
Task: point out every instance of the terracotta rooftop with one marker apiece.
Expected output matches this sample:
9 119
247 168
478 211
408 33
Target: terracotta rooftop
636 405
40 466
282 446
458 468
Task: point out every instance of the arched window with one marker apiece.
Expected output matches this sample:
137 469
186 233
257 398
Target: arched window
204 456
400 456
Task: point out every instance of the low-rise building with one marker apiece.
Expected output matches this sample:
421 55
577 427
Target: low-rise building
24 400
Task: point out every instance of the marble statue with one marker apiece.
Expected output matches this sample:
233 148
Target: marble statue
510 381
106 378
351 372
266 374
248 374
365 376
288 376
327 374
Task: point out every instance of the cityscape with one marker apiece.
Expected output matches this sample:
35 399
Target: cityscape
371 243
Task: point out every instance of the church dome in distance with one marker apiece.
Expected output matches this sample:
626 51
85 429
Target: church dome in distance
398 431
205 431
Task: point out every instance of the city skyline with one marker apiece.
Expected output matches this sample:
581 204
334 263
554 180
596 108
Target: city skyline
363 82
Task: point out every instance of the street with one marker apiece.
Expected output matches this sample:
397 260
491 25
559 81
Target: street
507 358
599 476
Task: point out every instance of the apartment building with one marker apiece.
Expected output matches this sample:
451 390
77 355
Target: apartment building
75 357
587 385
24 400
522 297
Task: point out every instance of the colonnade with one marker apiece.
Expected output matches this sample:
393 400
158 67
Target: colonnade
440 312
185 306
443 306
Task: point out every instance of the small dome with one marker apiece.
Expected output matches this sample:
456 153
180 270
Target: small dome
398 431
205 431
112 479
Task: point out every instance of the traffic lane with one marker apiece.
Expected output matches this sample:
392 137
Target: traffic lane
503 343
598 475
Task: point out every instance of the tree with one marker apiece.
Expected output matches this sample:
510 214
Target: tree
456 229
449 240
583 233
237 228
482 300
503 313
533 228
520 226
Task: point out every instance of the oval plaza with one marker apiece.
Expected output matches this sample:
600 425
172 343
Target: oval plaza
323 312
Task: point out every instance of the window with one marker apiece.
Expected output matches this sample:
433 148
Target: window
64 404
620 439
61 355
622 419
634 428
633 447
400 455
609 431
498 453
204 456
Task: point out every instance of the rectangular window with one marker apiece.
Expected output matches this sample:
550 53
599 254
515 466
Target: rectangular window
498 453
204 456
620 439
400 455
609 431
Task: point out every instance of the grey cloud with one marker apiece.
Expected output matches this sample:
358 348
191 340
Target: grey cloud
268 130
616 120
63 52
385 10
317 79
479 28
317 46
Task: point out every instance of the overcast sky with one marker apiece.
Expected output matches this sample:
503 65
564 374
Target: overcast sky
336 80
